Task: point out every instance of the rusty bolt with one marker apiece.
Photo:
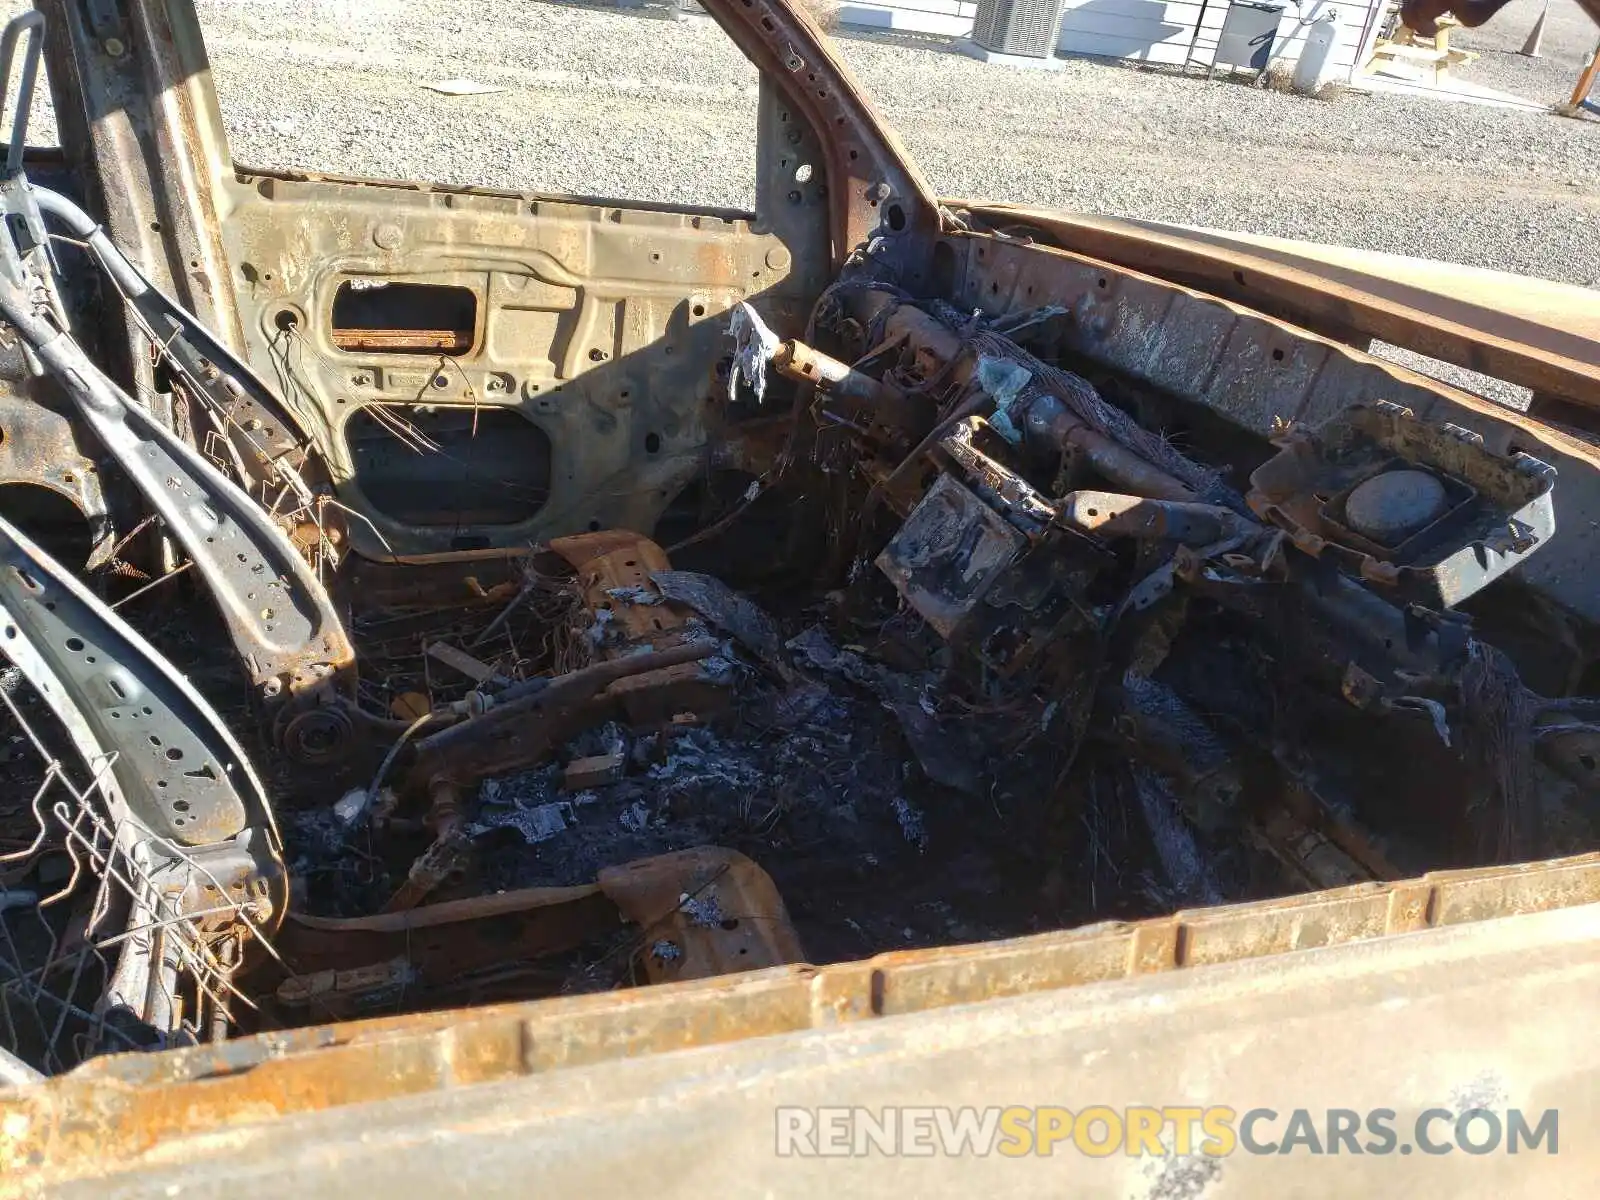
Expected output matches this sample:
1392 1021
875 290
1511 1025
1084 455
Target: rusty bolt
114 47
271 687
362 380
883 191
387 236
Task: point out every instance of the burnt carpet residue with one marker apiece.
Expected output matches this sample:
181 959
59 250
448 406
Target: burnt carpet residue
837 781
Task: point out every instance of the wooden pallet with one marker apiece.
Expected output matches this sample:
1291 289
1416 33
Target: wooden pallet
1410 49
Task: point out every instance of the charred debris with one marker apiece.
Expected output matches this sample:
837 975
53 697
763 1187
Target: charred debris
991 647
986 653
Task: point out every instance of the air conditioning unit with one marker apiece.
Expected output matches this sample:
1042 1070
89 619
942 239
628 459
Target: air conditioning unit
1023 28
1249 34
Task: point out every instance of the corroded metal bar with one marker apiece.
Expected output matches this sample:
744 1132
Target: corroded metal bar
1045 418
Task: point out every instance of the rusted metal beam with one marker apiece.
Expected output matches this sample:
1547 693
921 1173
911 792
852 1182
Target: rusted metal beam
1109 514
113 1111
874 189
522 730
140 119
1046 417
1468 318
446 341
448 939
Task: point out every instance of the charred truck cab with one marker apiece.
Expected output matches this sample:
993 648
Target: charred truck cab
529 655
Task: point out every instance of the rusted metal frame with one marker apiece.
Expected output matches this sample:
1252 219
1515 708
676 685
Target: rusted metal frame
522 729
1317 301
192 143
188 828
44 447
262 430
1109 514
870 405
703 912
259 580
125 145
447 341
131 700
141 129
614 480
444 940
805 364
869 172
156 143
283 624
38 444
700 912
100 141
1009 266
124 1106
1046 417
1127 320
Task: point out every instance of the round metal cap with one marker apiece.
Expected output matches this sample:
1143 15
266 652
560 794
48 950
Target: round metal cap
1389 508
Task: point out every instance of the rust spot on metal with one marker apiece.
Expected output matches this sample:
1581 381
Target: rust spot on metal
111 1112
448 341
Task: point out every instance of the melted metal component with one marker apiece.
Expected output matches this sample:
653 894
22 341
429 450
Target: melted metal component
281 620
183 828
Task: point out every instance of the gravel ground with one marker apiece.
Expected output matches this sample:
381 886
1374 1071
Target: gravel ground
1569 37
620 104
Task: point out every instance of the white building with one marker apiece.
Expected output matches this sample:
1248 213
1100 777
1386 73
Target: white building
1154 31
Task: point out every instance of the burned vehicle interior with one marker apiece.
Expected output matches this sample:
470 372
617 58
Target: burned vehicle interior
422 597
